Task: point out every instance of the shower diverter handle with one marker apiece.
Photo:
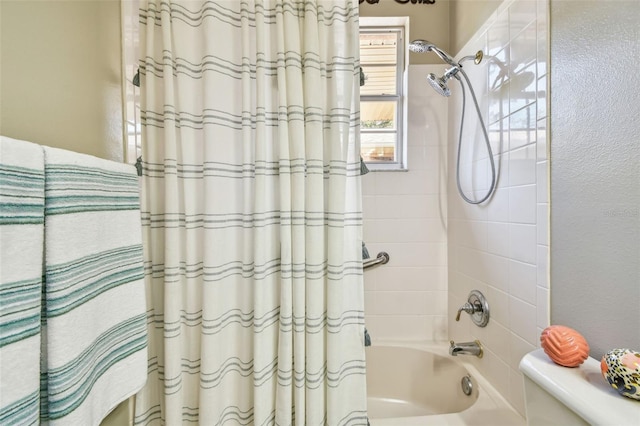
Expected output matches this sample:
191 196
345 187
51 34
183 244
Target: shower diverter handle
477 307
469 308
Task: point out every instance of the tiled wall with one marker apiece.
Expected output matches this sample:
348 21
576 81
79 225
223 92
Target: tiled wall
501 247
441 248
405 215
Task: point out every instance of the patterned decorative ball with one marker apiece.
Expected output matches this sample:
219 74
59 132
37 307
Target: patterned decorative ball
564 345
621 368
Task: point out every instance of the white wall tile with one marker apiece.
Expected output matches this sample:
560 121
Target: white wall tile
499 306
409 230
412 254
523 48
498 134
407 302
522 242
498 103
369 185
541 103
522 166
542 307
512 270
399 327
518 348
410 206
502 170
498 207
542 181
542 37
522 125
425 157
441 247
496 337
522 204
405 214
515 394
498 33
497 371
369 232
368 206
541 140
420 278
522 281
542 221
370 282
495 271
543 266
521 14
437 326
369 301
498 238
523 320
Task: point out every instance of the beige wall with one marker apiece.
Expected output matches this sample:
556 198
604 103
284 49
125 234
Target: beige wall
122 415
467 16
426 21
60 76
447 23
60 82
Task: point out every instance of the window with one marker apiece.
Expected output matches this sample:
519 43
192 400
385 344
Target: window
381 97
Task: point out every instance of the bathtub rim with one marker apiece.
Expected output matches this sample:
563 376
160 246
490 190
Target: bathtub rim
440 394
561 382
488 396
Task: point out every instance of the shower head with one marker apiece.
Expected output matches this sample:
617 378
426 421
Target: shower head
439 84
422 46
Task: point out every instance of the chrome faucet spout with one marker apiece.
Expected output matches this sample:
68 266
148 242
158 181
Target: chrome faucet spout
466 348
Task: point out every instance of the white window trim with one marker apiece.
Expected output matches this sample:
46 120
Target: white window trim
369 22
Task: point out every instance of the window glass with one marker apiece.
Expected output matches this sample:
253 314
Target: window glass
381 95
378 115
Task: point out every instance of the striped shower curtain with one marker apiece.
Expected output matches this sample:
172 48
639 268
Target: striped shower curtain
252 213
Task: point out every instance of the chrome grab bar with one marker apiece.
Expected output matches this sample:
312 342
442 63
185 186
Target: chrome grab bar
381 259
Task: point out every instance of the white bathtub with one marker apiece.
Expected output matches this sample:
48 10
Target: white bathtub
420 384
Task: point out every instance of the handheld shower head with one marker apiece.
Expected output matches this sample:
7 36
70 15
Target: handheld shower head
440 86
422 46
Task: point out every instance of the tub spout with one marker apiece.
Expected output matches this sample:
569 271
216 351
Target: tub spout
466 348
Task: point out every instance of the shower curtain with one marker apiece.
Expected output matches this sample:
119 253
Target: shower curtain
252 213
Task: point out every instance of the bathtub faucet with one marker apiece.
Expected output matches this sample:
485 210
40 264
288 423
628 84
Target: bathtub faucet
466 348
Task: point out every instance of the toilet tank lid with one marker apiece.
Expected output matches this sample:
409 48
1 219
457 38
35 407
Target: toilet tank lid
582 389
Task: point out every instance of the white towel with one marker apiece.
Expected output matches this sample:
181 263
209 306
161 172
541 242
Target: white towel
21 249
95 297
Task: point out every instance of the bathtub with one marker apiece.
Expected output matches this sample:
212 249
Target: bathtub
420 384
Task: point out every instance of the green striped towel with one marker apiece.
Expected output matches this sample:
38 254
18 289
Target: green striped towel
21 250
96 352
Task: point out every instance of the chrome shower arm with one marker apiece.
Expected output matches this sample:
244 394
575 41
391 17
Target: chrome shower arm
477 58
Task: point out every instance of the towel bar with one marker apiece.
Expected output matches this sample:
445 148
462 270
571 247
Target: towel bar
381 259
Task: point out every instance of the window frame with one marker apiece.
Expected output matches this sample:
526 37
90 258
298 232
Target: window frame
398 26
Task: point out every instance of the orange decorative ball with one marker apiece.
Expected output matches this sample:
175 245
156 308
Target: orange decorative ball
564 345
